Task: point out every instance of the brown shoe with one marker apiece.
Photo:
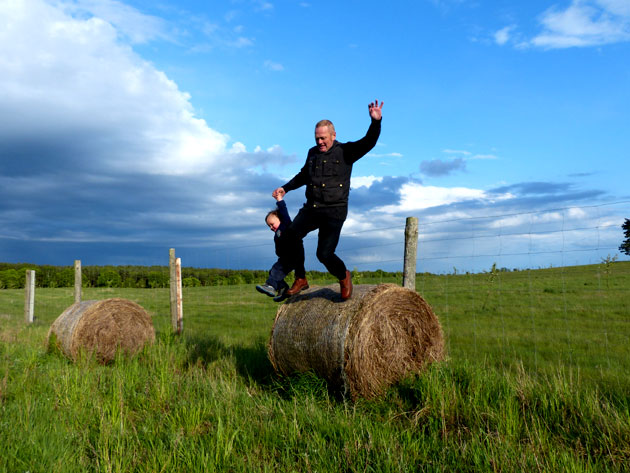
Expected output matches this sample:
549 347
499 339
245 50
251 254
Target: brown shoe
346 286
298 285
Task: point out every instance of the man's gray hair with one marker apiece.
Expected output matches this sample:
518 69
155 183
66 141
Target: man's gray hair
328 123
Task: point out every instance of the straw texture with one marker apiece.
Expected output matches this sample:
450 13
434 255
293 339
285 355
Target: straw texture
102 328
360 346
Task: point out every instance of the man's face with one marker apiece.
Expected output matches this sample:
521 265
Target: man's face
324 138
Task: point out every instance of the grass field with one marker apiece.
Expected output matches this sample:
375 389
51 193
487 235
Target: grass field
536 379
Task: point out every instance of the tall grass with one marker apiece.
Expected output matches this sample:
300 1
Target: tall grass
531 383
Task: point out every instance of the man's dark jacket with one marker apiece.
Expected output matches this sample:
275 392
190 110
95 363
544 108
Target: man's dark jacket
327 175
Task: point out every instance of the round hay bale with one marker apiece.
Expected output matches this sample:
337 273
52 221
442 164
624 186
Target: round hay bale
360 346
102 328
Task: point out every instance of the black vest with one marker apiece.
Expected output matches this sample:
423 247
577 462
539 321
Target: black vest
328 178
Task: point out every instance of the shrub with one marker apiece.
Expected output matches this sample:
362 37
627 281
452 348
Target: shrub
10 279
191 282
108 278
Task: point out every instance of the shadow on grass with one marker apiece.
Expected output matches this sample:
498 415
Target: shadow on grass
253 365
252 362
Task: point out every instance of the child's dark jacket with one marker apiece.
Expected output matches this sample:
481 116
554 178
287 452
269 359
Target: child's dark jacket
285 221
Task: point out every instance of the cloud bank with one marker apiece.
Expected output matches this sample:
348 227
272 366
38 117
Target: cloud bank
583 23
103 158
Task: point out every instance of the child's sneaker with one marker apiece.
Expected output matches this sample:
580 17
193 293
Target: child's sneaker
282 294
266 289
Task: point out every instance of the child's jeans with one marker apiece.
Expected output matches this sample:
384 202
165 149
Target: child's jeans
277 273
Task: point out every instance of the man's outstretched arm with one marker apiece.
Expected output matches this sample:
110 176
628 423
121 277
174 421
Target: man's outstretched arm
355 150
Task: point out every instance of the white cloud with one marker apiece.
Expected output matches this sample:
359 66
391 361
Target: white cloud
503 35
456 151
264 6
386 155
468 154
240 42
273 66
360 181
484 156
136 26
62 74
585 23
416 197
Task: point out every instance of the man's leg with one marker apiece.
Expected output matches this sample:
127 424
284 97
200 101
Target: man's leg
327 240
302 224
300 271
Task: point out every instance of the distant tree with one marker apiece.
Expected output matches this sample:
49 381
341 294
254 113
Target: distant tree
10 279
65 277
158 279
248 276
625 246
191 282
142 283
236 279
129 281
108 278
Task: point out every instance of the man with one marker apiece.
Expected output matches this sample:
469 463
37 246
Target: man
326 175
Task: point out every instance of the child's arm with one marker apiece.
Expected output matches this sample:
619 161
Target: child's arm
283 213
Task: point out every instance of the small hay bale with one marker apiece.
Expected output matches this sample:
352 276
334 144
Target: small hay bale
360 346
102 328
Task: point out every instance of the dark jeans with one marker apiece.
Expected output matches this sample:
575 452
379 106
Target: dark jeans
329 225
277 273
282 268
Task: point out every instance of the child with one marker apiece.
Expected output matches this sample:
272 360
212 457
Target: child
277 221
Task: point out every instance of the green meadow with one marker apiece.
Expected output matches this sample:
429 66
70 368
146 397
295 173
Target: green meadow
536 379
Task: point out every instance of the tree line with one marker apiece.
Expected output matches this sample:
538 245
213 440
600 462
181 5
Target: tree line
13 276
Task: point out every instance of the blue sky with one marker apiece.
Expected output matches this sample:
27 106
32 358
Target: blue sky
131 127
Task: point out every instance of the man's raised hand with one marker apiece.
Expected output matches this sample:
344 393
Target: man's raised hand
376 110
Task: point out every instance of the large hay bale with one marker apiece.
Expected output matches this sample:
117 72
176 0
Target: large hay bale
101 328
359 346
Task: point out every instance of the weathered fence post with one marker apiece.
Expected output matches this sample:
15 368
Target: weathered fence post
180 307
29 299
411 253
78 281
175 285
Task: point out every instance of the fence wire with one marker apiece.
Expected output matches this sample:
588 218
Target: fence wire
537 289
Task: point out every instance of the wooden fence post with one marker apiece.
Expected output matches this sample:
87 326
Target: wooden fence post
29 299
172 265
78 281
411 253
180 307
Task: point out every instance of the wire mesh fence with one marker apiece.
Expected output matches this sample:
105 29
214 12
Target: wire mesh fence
541 290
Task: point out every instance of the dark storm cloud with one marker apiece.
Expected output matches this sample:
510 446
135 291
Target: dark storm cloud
438 167
540 195
535 188
383 192
130 206
99 147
